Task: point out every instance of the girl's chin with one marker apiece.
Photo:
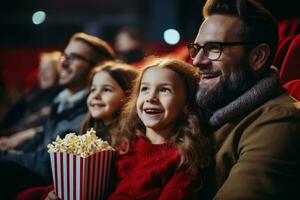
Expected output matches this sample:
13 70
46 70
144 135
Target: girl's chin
97 116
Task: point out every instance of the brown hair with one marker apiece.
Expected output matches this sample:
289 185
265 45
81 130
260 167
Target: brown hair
124 75
258 24
188 137
102 51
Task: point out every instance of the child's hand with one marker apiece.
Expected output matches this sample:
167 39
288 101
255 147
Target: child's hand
52 196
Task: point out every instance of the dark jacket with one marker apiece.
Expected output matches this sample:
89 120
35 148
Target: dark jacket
34 155
31 110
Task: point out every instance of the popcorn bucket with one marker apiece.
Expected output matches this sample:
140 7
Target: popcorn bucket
78 178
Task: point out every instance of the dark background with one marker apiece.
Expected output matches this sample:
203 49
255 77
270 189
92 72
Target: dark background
21 41
104 17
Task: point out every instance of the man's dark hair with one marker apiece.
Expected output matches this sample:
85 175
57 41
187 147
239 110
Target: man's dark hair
258 24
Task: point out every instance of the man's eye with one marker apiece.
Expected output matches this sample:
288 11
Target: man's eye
73 57
212 47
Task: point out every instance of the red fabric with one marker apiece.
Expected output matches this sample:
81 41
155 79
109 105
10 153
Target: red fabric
283 29
288 27
290 69
16 63
31 81
35 193
295 26
281 51
293 88
149 171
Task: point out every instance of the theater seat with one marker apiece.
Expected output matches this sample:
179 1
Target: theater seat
288 27
290 69
281 51
293 88
31 81
181 53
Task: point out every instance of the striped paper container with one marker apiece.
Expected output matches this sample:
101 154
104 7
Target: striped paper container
77 178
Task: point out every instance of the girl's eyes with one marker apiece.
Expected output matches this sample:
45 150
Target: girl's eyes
107 89
161 89
143 89
92 89
165 90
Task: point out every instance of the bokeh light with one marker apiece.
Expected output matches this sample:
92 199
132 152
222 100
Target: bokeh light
171 36
38 17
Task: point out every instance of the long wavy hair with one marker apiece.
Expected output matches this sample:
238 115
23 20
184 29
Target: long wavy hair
124 75
188 136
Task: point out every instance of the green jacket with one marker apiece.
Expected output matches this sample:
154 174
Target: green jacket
257 155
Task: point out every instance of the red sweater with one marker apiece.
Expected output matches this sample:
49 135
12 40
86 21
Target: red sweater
149 171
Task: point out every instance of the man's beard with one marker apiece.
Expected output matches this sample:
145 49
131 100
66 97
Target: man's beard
228 89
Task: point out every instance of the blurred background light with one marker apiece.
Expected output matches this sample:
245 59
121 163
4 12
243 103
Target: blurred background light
38 17
171 36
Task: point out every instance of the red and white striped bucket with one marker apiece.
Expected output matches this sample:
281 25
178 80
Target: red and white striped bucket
77 178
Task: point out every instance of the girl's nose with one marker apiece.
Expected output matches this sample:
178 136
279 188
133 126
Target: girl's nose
97 94
151 97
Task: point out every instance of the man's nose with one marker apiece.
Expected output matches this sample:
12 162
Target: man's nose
200 59
64 63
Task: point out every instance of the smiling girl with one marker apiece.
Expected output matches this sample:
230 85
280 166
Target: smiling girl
110 85
167 150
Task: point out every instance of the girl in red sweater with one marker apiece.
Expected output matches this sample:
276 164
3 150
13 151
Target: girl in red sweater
167 150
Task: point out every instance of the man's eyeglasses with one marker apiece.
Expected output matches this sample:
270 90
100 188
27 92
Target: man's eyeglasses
74 56
212 50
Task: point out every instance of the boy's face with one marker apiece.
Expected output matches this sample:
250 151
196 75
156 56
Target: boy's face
161 100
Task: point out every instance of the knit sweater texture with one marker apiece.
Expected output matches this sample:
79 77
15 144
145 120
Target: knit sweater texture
150 171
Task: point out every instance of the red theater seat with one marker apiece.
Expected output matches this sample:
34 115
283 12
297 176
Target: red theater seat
293 88
288 27
290 69
281 51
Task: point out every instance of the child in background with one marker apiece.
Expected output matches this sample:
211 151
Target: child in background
167 151
110 85
109 89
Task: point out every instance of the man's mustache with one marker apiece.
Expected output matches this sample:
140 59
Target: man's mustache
207 70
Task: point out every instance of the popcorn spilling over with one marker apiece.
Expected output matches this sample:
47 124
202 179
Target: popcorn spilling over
82 145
